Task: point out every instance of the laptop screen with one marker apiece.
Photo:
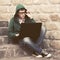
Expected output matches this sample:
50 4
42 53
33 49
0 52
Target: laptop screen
31 30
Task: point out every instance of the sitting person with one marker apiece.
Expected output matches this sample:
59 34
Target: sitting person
14 29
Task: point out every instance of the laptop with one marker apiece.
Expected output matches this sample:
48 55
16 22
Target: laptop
31 30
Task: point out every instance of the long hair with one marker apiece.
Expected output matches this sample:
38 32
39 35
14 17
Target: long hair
16 14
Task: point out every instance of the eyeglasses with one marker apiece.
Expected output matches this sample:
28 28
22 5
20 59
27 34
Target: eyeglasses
22 12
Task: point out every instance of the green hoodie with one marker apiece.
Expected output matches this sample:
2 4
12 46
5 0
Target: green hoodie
19 6
14 25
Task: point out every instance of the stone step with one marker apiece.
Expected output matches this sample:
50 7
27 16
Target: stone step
47 43
10 50
3 31
3 23
3 40
3 28
55 56
20 58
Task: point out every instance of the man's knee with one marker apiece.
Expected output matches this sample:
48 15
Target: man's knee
43 29
27 39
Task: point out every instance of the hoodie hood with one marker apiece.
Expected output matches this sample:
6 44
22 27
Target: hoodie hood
19 6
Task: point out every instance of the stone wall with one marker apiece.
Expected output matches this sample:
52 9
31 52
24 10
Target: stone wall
45 11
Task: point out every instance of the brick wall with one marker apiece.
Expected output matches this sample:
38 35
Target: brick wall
45 11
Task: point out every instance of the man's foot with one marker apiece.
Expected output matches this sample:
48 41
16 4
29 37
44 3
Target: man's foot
48 56
45 54
37 55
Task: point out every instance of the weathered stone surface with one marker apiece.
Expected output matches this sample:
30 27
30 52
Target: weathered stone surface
55 1
11 50
3 2
3 31
29 2
53 35
55 56
5 16
49 8
2 54
3 9
55 17
3 23
55 44
33 9
51 26
58 25
39 17
11 9
3 40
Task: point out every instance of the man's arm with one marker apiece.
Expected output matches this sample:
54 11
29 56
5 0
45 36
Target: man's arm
33 21
11 33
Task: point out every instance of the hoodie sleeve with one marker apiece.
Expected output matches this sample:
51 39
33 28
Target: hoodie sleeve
33 21
11 33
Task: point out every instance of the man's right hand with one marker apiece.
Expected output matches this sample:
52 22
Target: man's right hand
17 34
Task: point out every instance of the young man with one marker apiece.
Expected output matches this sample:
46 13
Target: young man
14 29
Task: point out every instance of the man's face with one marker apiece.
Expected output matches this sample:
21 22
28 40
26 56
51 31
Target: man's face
22 14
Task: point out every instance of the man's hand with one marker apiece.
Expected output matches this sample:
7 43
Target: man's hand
17 34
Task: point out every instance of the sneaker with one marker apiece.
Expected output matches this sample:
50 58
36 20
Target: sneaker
48 56
45 54
37 55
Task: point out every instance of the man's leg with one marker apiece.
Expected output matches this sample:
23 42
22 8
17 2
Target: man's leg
42 36
28 41
35 47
